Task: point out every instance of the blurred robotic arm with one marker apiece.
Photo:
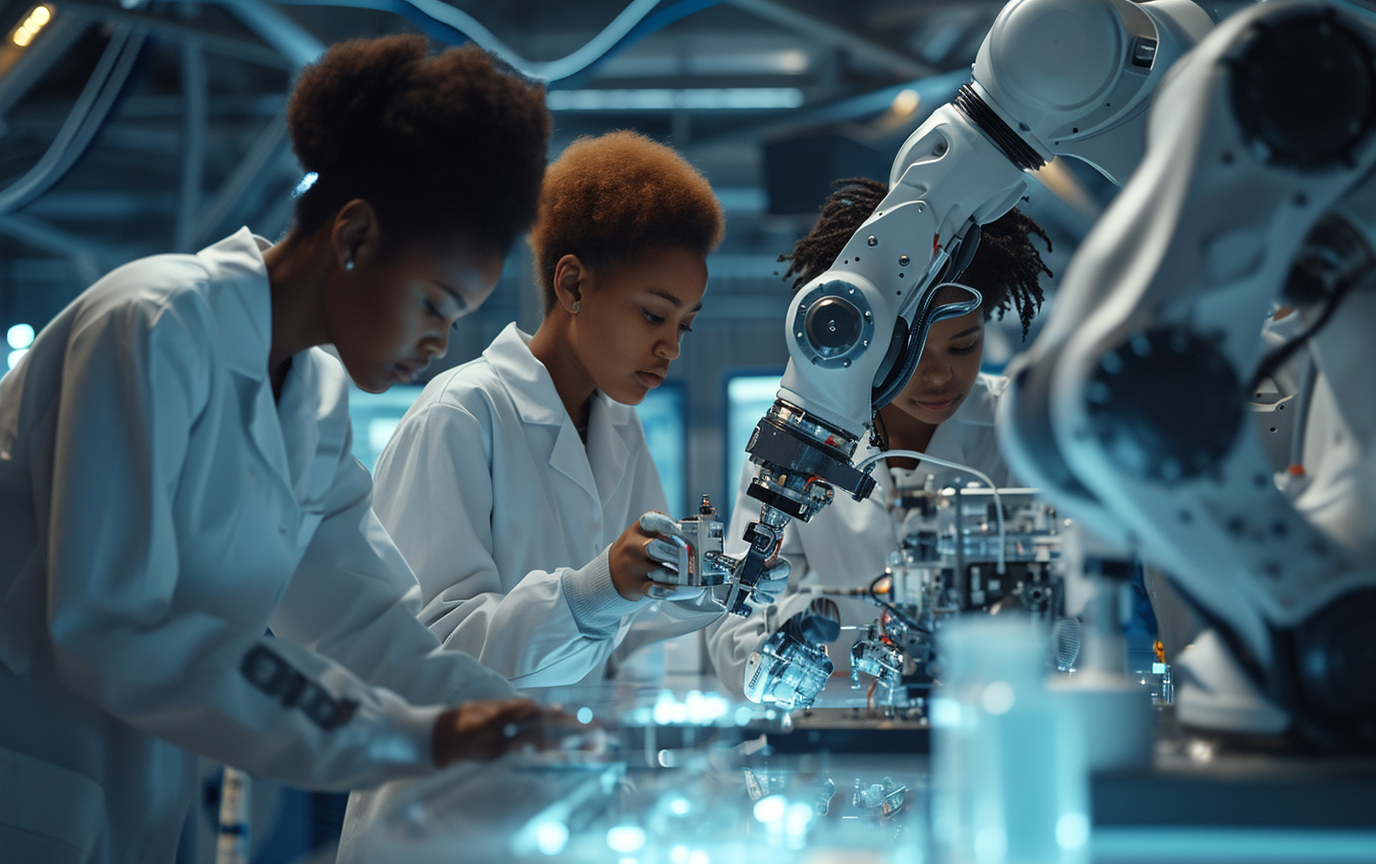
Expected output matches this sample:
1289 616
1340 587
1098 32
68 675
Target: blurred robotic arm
1257 185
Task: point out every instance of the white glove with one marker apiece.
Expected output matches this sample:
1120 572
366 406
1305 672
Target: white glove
670 549
773 581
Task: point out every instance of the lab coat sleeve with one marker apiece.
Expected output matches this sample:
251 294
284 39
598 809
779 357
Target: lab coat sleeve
732 639
434 495
132 382
354 599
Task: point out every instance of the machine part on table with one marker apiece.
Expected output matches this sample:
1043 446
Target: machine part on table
787 671
947 565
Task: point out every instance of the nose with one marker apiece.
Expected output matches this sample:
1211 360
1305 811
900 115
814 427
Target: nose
934 371
667 349
436 345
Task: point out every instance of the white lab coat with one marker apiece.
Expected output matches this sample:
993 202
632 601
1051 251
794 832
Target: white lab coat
505 516
847 544
158 512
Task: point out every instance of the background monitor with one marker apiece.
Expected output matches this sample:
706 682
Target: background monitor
749 393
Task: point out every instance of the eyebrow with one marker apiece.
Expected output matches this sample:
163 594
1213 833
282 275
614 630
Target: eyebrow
964 333
678 304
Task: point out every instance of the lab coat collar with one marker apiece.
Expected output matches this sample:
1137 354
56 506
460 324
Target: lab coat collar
286 431
241 299
948 441
598 466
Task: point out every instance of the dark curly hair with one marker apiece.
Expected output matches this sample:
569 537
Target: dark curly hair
1006 269
608 199
454 142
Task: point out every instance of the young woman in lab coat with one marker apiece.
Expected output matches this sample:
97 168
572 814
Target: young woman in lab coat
176 479
946 409
510 483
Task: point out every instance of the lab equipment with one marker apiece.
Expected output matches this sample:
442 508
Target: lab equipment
1129 409
792 666
1053 77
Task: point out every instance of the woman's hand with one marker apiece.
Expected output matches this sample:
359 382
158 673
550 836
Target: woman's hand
483 729
631 563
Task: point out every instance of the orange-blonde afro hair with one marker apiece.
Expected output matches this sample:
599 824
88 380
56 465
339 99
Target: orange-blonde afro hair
610 198
439 145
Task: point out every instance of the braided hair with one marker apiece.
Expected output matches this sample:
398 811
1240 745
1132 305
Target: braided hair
1007 267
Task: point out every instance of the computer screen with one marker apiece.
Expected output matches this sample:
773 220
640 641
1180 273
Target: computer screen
663 414
748 396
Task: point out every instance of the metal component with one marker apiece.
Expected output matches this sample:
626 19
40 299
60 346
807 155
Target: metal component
787 672
832 321
1171 433
701 561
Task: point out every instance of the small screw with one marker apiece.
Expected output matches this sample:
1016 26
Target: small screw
872 240
903 260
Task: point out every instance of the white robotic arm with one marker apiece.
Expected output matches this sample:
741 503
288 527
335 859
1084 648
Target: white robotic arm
1129 409
1053 77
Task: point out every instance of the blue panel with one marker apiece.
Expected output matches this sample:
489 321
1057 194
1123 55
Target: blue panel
375 416
663 413
748 397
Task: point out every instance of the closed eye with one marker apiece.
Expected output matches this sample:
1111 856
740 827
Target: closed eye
651 317
964 349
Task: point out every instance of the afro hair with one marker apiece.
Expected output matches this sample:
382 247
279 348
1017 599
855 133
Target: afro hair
610 198
437 144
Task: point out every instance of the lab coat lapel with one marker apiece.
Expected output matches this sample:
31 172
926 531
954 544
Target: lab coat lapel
537 401
311 463
570 458
241 300
264 426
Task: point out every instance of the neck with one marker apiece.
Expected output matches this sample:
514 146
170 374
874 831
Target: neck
552 345
905 432
298 269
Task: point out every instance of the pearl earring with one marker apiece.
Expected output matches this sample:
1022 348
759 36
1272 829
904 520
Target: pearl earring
349 265
577 304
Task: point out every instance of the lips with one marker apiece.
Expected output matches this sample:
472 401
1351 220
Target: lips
650 379
407 372
937 404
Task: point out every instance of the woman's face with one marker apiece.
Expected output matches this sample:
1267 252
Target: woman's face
390 315
948 368
632 316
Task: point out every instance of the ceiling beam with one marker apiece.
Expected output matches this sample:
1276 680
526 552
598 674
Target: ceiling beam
839 35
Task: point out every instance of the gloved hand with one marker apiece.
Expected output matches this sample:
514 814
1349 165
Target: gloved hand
819 622
666 549
669 548
773 581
